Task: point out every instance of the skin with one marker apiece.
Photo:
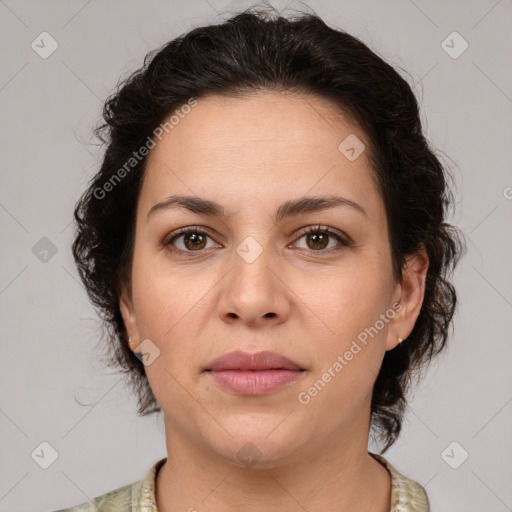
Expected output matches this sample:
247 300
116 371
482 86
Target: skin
250 155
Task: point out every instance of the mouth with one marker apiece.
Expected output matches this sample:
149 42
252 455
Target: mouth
253 374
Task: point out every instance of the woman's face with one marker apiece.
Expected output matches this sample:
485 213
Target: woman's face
256 281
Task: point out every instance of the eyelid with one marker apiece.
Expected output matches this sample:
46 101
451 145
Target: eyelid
184 231
345 239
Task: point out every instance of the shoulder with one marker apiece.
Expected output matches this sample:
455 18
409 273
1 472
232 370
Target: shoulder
119 500
138 496
406 495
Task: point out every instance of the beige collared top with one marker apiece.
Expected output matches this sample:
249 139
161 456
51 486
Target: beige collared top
406 495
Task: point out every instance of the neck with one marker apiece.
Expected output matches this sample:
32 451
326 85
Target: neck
338 475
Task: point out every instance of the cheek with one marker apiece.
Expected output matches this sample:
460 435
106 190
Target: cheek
349 353
164 297
347 301
164 312
350 343
337 399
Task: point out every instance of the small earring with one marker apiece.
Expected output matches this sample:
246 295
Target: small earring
400 340
130 341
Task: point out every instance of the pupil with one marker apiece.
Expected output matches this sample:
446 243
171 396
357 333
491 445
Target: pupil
323 238
194 238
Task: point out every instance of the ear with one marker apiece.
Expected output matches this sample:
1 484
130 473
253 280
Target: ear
409 295
128 314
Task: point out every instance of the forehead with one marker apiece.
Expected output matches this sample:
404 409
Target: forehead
259 146
291 124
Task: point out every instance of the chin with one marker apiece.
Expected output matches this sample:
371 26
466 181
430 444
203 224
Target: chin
258 443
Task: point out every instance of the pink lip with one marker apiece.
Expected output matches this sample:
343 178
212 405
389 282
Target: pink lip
253 374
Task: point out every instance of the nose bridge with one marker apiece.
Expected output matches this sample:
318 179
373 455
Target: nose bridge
253 292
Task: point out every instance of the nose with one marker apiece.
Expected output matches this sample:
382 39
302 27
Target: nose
254 293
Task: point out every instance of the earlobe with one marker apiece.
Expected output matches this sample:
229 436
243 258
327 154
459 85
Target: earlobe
412 290
128 314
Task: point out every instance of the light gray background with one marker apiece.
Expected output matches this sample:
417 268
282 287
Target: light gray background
50 332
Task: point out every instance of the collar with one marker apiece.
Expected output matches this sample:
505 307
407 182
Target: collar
406 495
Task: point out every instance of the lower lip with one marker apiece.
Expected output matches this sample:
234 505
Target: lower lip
245 382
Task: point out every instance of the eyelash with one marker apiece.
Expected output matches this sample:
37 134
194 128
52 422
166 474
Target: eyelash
311 230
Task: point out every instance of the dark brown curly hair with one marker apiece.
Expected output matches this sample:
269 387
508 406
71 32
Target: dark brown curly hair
253 51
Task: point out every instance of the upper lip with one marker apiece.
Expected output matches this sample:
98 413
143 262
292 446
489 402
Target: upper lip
239 360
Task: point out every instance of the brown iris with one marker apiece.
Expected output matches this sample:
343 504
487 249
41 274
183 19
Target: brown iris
319 240
197 241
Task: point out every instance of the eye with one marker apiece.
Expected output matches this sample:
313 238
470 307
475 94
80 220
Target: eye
317 239
194 240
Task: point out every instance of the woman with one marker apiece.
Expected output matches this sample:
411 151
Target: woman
267 241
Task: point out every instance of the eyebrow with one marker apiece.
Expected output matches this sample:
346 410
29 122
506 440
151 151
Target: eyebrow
287 209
